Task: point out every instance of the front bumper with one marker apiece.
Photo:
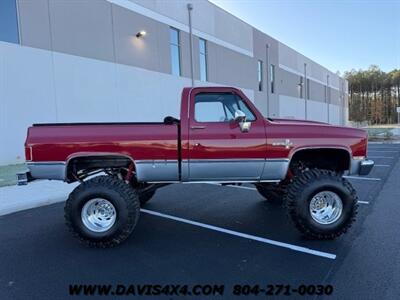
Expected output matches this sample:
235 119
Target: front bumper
361 166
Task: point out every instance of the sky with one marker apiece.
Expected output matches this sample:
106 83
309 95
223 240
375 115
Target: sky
339 34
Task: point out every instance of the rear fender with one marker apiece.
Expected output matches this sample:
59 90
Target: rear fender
83 155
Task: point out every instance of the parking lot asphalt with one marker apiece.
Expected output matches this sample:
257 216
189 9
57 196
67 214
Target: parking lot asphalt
209 234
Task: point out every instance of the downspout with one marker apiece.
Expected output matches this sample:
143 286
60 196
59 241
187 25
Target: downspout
190 8
268 85
305 91
328 100
18 22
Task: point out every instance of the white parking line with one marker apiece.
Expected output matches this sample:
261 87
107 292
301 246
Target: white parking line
386 166
383 151
362 202
363 178
391 157
243 235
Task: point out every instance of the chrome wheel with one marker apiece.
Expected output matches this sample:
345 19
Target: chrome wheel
326 207
98 215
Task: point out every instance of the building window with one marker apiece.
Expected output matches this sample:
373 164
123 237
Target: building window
260 75
300 85
308 88
174 42
203 59
272 71
8 21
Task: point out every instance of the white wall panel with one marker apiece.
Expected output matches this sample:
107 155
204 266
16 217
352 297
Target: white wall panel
317 111
27 96
85 89
148 96
346 116
334 114
291 107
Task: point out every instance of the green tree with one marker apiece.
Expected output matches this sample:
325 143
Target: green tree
374 95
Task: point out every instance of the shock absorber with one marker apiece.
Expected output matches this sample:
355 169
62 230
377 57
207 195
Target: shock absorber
129 174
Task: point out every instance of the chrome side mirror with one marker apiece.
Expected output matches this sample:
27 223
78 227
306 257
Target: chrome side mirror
240 118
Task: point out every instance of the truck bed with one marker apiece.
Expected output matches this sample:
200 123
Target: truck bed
140 141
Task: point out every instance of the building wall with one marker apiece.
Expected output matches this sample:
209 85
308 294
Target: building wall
79 60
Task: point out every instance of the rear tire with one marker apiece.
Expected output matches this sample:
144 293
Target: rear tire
102 212
321 203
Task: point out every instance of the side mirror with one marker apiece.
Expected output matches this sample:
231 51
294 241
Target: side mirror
240 118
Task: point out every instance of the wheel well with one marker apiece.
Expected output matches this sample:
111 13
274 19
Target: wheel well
327 158
83 166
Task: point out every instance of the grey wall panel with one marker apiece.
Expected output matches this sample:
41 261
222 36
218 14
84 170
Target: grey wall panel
150 51
287 83
207 18
82 27
196 58
231 68
185 54
265 100
317 91
232 29
35 23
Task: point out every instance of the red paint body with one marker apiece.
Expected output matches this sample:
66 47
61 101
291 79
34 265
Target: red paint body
157 141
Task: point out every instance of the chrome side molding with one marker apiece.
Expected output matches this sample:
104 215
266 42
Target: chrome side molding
47 170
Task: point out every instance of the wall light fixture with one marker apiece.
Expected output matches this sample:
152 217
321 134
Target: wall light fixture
141 33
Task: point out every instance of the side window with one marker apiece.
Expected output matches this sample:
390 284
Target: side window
219 107
210 112
8 21
241 105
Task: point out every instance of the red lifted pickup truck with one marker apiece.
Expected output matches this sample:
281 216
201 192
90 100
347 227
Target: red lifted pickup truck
220 137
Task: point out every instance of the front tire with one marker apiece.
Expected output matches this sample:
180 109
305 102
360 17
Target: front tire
321 203
102 212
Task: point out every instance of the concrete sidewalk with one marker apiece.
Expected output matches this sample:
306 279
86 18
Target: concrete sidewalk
35 194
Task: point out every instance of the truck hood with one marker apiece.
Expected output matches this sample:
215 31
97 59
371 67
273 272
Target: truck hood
313 132
331 128
295 122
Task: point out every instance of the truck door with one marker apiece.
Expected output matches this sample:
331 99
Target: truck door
219 150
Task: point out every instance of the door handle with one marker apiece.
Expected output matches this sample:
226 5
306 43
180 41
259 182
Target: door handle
197 127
